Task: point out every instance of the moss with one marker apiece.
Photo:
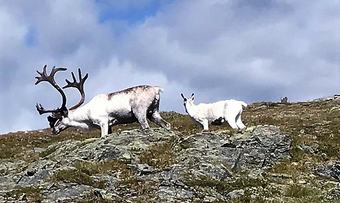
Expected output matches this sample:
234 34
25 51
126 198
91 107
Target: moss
92 198
143 189
16 145
225 186
77 176
160 156
83 173
287 167
298 191
33 194
181 123
247 197
92 168
48 151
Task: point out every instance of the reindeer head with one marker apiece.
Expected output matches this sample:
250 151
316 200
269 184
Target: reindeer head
59 117
189 101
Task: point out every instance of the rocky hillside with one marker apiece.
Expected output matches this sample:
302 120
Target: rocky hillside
289 153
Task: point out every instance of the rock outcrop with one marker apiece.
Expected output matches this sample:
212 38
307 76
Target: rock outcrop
161 166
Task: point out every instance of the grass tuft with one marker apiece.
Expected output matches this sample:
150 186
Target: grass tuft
160 156
32 194
77 176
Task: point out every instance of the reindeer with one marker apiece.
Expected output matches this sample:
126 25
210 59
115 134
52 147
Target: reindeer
104 110
284 100
217 112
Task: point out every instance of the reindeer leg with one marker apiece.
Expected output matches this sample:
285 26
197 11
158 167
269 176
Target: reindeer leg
231 118
104 129
156 118
141 117
239 122
205 124
104 126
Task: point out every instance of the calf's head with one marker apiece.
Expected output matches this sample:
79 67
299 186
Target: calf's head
188 101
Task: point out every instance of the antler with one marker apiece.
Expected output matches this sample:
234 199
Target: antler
79 85
50 79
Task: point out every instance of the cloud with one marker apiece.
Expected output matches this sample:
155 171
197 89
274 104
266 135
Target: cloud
249 50
242 48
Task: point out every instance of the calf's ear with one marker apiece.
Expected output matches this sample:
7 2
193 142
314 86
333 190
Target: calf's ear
192 96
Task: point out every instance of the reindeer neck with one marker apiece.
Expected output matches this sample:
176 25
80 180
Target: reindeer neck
80 113
190 108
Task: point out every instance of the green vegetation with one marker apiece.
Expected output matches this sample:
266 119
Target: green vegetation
288 167
92 198
304 194
160 156
18 145
247 197
83 171
31 194
48 151
225 186
93 168
299 191
77 176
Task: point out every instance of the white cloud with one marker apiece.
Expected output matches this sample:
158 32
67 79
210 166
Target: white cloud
254 51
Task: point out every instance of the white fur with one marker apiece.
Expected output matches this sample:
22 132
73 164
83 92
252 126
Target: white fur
104 110
227 110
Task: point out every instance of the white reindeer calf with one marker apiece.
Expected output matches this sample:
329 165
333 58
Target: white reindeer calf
221 111
104 110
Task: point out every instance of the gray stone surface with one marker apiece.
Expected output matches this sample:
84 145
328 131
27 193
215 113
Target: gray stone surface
208 167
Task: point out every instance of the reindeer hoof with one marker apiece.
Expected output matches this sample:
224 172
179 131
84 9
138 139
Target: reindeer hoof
147 131
205 131
168 126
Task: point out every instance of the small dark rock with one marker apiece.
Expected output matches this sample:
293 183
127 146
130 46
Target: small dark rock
30 172
230 145
98 194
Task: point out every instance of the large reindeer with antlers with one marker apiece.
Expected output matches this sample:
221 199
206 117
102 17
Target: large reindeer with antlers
104 110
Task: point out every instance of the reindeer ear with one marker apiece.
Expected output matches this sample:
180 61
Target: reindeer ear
185 99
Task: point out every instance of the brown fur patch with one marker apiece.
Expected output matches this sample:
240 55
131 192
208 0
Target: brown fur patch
128 90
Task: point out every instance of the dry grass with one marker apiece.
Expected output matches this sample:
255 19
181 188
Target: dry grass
77 176
307 123
32 194
225 186
160 156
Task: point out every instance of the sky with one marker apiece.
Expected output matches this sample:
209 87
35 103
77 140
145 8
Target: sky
248 50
